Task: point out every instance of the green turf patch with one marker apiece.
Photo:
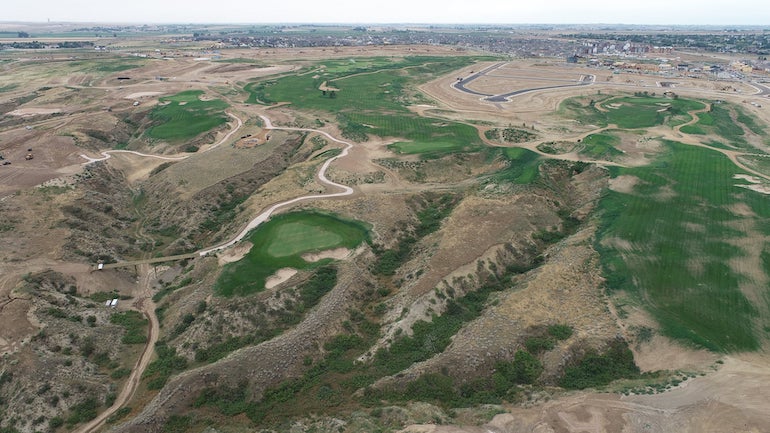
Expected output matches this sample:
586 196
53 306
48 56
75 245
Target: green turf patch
372 99
730 124
678 223
601 146
430 147
117 65
298 237
523 166
184 116
280 243
631 112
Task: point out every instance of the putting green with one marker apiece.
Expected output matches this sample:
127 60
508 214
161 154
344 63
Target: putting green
280 243
299 237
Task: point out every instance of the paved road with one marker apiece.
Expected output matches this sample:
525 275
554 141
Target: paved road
585 80
460 85
763 90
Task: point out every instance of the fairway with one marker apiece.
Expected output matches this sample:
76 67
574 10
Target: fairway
670 244
372 100
630 112
301 237
184 116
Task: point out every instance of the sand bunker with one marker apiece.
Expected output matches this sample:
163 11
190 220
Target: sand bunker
279 277
236 253
337 254
746 177
138 95
762 189
28 112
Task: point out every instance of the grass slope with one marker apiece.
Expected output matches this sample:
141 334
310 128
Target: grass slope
185 116
671 244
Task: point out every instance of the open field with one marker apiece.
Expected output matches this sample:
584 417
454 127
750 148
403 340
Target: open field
631 221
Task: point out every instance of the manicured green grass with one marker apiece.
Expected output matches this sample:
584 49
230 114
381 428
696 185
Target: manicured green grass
380 88
523 166
117 66
679 223
601 145
727 122
632 112
693 129
280 243
185 116
107 65
298 237
372 99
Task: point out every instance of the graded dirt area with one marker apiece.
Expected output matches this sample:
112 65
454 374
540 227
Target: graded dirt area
535 107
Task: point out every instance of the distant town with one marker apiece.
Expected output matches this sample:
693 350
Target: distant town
627 48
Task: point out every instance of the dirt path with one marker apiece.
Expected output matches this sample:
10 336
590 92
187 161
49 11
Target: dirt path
144 304
106 154
259 219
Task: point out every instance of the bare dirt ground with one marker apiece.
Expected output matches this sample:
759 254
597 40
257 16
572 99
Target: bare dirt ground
535 107
235 253
731 398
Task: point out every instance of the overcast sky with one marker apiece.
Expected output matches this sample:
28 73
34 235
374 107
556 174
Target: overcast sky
715 12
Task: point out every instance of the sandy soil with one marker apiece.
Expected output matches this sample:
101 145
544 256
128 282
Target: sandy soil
138 95
337 254
624 183
731 399
235 253
29 112
279 277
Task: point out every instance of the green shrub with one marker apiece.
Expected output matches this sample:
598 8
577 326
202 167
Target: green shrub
560 332
595 370
538 344
161 369
177 424
526 368
83 411
134 324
